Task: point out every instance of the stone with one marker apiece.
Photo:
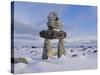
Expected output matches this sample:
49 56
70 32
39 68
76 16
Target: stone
53 21
47 49
19 60
52 16
53 25
61 49
49 34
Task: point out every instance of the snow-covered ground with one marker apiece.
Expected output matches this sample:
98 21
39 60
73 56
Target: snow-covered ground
74 59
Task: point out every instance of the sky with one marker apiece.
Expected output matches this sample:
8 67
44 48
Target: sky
80 22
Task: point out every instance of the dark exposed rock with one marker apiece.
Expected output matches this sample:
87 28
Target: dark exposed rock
83 49
89 47
74 55
33 47
71 50
95 51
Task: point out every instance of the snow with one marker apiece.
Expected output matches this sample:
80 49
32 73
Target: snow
19 67
82 59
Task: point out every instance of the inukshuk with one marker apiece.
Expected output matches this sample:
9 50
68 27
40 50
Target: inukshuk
54 32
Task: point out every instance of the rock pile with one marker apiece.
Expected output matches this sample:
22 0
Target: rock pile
54 32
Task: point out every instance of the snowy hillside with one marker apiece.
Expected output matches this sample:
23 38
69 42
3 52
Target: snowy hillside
74 59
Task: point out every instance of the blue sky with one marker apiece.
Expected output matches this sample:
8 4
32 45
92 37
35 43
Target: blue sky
80 22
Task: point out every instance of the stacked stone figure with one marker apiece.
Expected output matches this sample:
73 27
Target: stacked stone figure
54 32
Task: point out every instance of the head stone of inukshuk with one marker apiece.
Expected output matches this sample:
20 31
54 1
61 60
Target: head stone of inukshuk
53 22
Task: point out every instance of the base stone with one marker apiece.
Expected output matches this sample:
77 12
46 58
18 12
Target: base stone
61 49
47 49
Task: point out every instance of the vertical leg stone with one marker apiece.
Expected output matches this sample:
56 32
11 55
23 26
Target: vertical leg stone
47 49
61 49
